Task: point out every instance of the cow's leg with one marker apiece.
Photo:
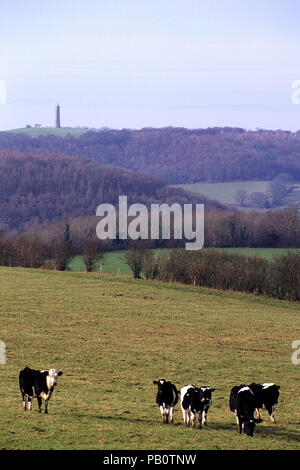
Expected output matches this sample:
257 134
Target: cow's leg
167 410
204 417
47 398
200 420
46 406
162 413
29 404
236 417
257 412
271 410
39 400
241 426
193 419
171 414
272 414
163 416
188 418
185 417
239 423
24 400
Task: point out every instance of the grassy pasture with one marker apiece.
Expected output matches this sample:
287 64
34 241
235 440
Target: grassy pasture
59 132
225 192
112 262
112 336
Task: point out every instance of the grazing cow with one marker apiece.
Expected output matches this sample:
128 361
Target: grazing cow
266 396
242 405
195 402
166 398
39 384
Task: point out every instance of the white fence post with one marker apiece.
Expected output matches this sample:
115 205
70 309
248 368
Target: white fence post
2 352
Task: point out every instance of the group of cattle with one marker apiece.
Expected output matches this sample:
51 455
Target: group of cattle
195 402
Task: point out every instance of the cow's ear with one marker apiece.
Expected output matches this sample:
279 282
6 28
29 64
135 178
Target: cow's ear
278 387
258 420
60 373
155 382
213 389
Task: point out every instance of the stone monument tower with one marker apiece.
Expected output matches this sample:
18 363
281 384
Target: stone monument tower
57 116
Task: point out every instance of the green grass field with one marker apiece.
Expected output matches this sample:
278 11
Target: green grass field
59 132
112 336
225 192
112 262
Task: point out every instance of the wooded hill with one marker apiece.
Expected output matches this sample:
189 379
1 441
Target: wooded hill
177 155
38 189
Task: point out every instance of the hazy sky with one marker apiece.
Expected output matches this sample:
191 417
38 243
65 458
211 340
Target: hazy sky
139 63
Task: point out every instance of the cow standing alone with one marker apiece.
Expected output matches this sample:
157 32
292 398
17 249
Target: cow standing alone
39 384
166 399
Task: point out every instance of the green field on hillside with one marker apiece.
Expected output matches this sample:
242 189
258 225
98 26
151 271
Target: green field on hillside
225 192
112 262
112 336
59 132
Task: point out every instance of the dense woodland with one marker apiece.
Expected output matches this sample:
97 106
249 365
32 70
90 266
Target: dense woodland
178 155
38 189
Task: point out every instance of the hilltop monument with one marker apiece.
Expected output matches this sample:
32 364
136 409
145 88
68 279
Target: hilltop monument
57 116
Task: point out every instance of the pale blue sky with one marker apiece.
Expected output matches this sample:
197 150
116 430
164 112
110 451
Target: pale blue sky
133 64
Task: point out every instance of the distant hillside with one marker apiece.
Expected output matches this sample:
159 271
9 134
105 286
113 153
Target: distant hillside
38 189
46 131
177 155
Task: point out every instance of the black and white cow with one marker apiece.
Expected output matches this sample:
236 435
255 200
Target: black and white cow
166 399
195 402
242 404
266 396
39 384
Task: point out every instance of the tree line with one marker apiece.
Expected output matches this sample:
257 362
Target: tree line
279 278
55 248
222 229
29 250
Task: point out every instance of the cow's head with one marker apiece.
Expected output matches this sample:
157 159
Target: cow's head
205 394
52 377
249 425
161 384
